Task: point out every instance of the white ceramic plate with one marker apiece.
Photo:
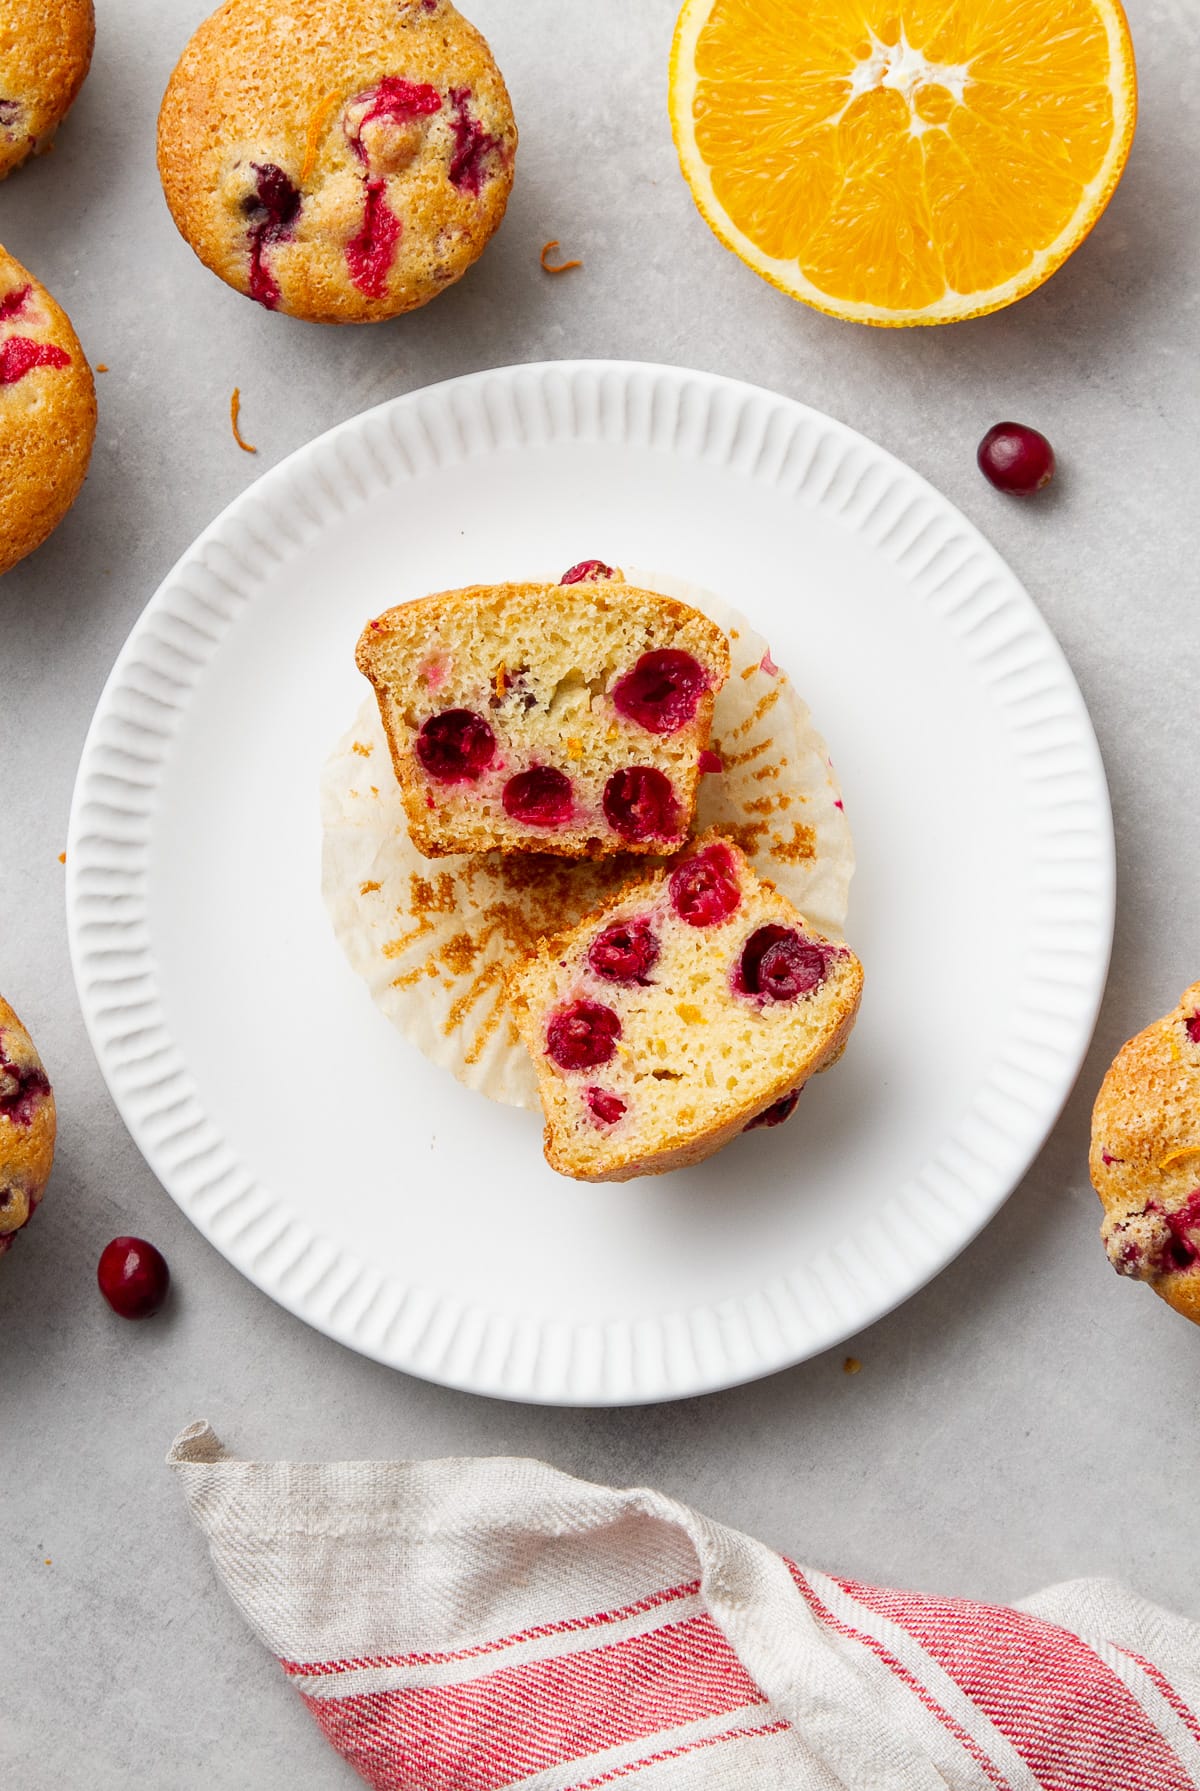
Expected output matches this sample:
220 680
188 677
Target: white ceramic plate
366 1190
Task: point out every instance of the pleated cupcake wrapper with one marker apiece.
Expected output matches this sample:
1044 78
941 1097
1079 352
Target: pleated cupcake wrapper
432 938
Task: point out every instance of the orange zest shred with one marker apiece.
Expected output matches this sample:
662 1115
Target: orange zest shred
1178 1156
501 683
62 858
235 411
318 118
555 267
101 366
574 748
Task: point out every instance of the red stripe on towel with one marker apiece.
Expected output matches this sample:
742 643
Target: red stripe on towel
519 1720
1067 1714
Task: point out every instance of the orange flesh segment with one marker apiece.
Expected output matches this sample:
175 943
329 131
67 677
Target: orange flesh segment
900 150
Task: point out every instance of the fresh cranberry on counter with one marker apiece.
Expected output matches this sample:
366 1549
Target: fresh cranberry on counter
133 1277
1015 458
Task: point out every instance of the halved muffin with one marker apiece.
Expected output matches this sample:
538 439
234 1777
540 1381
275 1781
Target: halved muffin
570 718
692 1006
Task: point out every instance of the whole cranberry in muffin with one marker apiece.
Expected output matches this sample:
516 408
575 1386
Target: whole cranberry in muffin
625 952
780 964
582 1035
704 890
662 692
640 804
541 797
456 746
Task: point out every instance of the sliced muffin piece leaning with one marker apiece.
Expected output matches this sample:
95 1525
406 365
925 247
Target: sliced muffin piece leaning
570 718
693 1006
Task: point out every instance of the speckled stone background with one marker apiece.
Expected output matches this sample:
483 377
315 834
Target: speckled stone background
1028 1417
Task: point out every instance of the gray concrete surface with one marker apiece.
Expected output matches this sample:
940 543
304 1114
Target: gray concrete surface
1028 1417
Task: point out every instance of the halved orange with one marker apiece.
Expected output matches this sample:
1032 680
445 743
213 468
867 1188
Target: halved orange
903 161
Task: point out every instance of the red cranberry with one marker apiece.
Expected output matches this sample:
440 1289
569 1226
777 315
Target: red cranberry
133 1277
780 964
625 952
1015 458
776 1113
662 692
583 1035
370 254
264 287
604 1107
14 302
472 158
19 356
640 804
20 1091
1179 1254
586 571
275 205
456 746
275 193
394 98
1181 1251
709 761
541 797
705 889
1192 1028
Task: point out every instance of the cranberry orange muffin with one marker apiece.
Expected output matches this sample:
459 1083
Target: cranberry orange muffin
1145 1158
340 160
47 413
27 1125
45 52
693 1006
570 718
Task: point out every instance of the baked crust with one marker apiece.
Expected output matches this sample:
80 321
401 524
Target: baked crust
47 414
27 1127
1145 1156
45 53
387 214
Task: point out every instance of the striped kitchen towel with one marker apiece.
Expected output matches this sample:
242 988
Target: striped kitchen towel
472 1625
